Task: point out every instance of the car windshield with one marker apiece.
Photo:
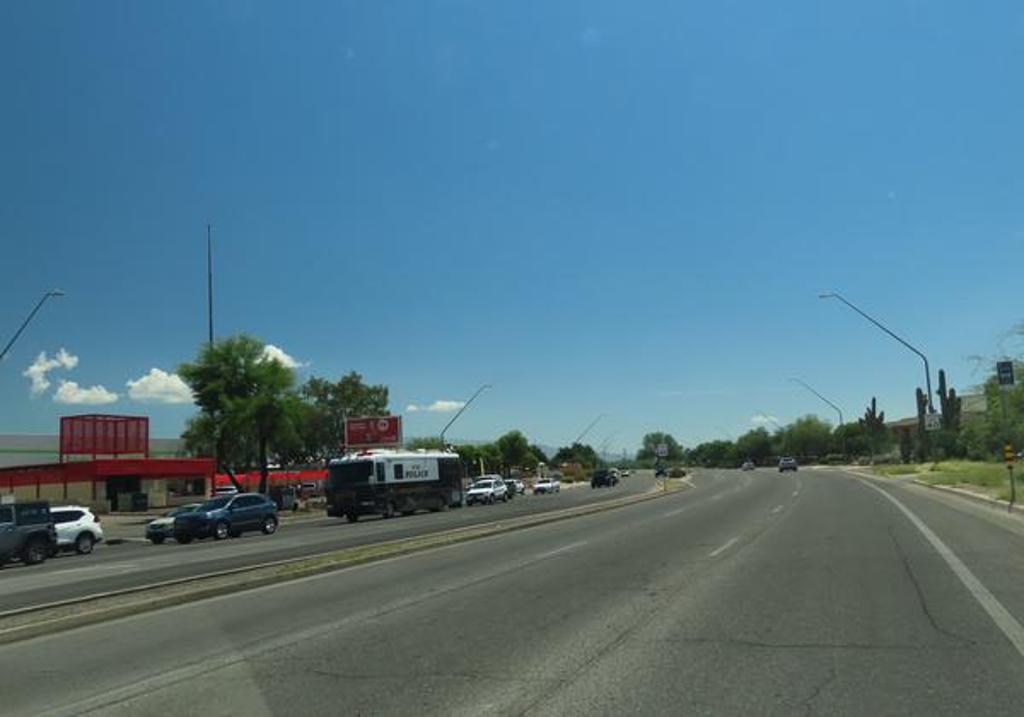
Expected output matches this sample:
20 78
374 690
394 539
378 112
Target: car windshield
181 510
483 484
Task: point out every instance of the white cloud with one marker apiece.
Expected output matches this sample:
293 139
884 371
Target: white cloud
276 353
439 406
158 386
764 420
36 373
70 392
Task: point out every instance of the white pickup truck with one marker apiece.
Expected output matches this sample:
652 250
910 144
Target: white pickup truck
547 484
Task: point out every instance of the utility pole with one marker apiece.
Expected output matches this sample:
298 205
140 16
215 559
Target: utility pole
209 281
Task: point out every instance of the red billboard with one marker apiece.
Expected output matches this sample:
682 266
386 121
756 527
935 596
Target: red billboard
373 432
99 435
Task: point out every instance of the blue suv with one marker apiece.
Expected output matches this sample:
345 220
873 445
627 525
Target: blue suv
227 515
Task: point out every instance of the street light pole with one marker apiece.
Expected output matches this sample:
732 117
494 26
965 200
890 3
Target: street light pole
464 407
834 406
587 429
876 322
28 319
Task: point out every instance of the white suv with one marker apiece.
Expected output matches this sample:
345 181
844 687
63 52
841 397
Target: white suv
78 528
488 489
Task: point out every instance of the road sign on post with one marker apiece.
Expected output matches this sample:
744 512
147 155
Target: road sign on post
661 450
1010 456
1004 372
932 422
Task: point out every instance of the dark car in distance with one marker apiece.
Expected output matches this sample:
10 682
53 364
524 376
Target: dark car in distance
27 532
227 515
604 479
787 463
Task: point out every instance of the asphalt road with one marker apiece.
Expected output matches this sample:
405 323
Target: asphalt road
113 567
754 593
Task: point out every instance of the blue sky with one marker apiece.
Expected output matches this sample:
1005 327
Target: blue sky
598 207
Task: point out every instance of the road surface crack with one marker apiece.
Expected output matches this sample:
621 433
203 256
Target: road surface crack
922 602
818 689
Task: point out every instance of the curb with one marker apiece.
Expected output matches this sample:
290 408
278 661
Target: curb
62 615
976 497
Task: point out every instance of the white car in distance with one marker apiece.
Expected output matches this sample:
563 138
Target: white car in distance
78 528
547 484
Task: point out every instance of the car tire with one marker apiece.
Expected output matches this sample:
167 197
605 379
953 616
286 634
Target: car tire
269 526
84 543
157 540
35 552
221 530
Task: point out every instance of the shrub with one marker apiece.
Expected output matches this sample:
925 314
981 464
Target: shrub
677 472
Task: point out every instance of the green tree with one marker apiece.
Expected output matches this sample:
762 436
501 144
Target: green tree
580 453
538 454
429 443
647 452
807 437
245 399
514 450
333 402
755 445
715 454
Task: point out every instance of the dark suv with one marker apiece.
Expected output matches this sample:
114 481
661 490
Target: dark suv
604 479
227 515
27 532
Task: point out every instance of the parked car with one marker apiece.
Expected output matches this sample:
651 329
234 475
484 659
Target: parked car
604 479
487 490
624 472
515 486
78 528
227 515
26 532
225 490
160 529
747 466
787 463
547 484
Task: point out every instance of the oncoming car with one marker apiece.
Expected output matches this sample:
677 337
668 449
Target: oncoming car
787 463
487 490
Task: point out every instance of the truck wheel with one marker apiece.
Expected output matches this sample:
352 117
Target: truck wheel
35 552
83 544
389 510
220 530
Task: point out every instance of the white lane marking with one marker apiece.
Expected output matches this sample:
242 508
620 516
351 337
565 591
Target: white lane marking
677 511
563 549
723 548
776 509
716 497
1002 617
796 493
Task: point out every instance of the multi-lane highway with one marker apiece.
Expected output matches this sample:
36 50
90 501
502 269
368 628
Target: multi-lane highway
132 564
753 593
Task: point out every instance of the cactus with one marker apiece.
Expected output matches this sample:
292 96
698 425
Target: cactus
949 403
873 424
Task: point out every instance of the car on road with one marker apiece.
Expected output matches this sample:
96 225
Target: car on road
489 489
160 529
624 472
78 528
26 532
547 484
787 463
747 466
227 515
604 479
